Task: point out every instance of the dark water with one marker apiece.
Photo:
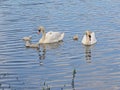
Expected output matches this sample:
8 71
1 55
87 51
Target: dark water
61 66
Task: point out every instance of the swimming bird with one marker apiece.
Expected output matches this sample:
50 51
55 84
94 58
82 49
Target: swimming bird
89 38
28 44
75 37
50 37
27 38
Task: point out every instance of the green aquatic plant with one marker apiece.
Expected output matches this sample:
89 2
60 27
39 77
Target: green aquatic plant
74 72
45 86
73 83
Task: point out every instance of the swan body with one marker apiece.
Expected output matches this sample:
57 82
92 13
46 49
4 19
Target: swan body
89 38
50 37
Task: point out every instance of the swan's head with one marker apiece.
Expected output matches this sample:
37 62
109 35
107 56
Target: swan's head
88 34
41 29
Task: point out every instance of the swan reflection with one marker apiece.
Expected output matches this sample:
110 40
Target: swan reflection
45 47
42 54
88 53
51 45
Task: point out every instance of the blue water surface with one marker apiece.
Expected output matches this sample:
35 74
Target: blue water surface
67 65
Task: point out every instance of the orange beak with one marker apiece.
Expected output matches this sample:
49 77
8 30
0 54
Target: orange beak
38 32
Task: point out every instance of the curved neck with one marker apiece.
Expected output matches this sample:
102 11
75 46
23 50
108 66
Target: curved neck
88 39
43 35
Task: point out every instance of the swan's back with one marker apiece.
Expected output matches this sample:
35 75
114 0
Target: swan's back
61 36
52 37
93 38
84 39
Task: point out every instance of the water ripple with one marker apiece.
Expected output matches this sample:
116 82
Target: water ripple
67 65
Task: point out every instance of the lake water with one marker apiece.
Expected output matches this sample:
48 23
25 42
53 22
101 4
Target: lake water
67 65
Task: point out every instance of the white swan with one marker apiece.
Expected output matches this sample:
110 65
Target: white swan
50 37
89 38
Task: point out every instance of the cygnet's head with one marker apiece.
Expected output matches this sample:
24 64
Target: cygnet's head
75 37
27 38
41 29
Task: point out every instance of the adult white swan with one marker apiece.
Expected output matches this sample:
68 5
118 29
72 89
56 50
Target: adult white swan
50 37
89 38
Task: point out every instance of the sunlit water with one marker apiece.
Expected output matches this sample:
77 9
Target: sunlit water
67 65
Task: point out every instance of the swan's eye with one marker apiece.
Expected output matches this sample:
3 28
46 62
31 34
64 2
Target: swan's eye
39 30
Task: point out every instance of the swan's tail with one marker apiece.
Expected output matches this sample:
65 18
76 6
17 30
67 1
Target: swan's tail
61 37
93 40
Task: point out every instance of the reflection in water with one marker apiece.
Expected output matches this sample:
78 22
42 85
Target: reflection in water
2 77
44 48
88 54
73 78
6 77
42 54
45 86
51 45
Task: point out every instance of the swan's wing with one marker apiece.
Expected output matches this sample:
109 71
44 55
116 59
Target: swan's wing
93 38
84 39
54 36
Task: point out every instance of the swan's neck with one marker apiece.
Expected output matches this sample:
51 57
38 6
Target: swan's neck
43 37
88 39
